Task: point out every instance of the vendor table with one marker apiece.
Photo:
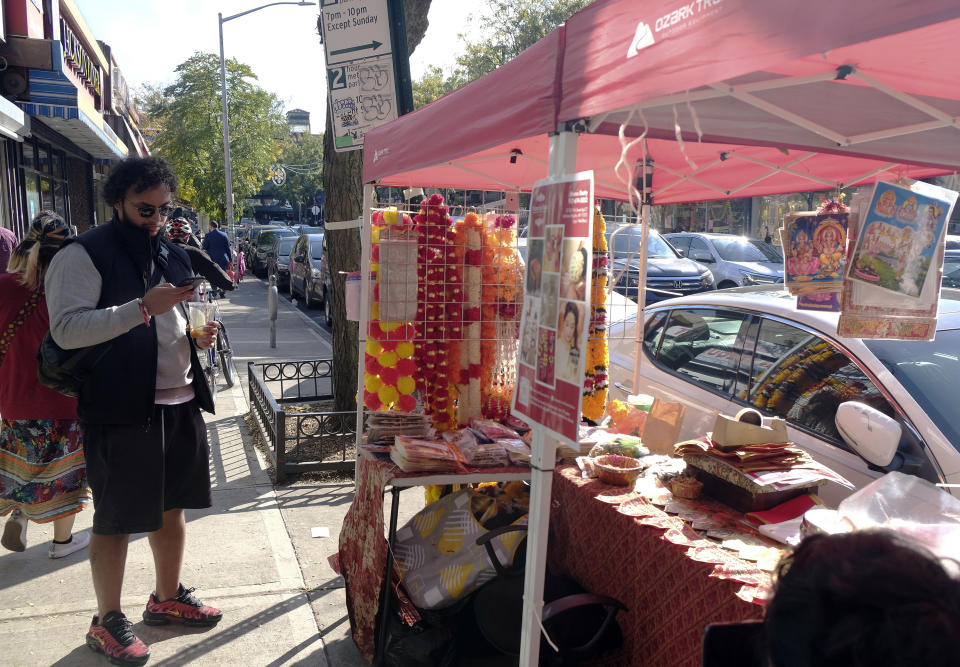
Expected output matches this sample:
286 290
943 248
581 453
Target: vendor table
673 582
365 559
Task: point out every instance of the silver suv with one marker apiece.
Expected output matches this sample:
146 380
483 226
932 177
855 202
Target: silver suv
736 261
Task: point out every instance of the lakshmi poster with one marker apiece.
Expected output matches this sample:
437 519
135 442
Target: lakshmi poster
553 327
898 240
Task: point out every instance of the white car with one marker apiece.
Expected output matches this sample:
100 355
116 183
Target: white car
722 351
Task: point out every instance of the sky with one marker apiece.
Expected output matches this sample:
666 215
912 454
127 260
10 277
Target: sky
150 38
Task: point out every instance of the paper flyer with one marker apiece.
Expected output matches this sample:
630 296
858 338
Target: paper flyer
555 319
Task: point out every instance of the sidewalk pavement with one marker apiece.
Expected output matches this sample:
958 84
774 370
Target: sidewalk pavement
251 554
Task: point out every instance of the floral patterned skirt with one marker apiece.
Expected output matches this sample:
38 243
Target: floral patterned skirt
42 469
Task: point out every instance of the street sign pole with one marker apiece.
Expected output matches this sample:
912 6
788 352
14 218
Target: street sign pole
401 56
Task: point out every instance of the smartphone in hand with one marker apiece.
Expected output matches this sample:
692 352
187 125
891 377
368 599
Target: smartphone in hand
193 281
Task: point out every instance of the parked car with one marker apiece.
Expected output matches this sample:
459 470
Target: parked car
257 263
735 261
723 351
278 259
249 244
307 229
951 269
309 275
668 273
953 242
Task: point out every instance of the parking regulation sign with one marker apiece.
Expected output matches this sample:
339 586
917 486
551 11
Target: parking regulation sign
360 79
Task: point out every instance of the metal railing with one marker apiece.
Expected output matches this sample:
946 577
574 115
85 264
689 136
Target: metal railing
300 440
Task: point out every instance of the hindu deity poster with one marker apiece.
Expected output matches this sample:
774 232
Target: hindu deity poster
898 240
814 245
892 284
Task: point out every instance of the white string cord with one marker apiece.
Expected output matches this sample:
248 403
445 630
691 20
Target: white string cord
538 612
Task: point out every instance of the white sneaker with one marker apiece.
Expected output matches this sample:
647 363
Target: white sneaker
80 541
15 532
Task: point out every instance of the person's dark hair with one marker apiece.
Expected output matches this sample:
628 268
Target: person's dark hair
140 173
213 224
859 599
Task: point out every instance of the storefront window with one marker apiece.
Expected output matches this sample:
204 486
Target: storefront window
45 185
29 155
731 216
32 187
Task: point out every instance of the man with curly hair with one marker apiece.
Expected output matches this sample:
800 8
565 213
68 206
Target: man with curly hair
144 438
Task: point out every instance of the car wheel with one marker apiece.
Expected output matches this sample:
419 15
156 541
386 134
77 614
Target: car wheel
307 299
327 317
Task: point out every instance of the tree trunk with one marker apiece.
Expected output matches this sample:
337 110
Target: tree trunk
343 195
343 200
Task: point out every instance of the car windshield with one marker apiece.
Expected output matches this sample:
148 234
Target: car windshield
266 239
928 371
739 249
628 240
284 247
316 250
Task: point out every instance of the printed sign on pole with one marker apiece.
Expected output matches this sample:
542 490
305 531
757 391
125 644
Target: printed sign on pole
359 57
556 308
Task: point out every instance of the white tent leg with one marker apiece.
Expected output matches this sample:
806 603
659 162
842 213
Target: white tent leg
365 227
563 160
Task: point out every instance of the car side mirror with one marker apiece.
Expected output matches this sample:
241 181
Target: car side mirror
872 434
701 256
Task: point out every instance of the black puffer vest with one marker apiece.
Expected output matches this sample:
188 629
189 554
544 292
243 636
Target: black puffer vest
122 387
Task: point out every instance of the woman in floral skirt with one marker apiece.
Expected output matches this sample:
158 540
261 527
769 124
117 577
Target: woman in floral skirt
42 469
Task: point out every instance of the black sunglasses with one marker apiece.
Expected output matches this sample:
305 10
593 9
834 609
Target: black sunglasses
148 211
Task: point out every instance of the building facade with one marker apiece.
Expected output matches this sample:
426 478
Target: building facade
77 116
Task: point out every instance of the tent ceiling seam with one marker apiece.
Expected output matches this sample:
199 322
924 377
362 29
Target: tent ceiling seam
781 113
907 99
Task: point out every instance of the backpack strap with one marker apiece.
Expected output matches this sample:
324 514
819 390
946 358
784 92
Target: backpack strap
6 337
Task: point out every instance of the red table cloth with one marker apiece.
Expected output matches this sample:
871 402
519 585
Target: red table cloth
673 582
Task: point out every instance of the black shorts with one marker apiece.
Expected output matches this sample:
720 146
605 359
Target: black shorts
136 475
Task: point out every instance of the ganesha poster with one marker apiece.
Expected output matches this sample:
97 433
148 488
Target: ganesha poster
898 240
814 247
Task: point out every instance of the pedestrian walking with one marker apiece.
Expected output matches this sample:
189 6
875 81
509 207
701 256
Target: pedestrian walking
178 231
144 438
42 472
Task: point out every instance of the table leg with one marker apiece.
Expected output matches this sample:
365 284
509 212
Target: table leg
384 616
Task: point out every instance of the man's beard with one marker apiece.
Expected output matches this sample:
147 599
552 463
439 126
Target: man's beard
122 216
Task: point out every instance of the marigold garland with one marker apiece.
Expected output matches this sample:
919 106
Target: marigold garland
501 304
469 241
596 381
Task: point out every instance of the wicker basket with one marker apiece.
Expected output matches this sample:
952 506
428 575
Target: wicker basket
618 470
686 487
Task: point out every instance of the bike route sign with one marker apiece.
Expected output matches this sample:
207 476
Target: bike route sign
359 57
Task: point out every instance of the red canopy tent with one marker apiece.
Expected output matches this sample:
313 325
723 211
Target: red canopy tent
735 98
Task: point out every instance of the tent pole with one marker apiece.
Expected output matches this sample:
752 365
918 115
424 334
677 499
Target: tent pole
365 226
563 160
645 178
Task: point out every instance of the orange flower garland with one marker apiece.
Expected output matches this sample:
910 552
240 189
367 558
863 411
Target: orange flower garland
596 382
501 302
388 380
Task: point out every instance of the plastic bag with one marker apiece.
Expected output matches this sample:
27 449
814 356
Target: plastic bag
911 506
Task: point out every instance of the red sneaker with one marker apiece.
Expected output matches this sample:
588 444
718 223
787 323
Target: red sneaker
184 609
115 639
